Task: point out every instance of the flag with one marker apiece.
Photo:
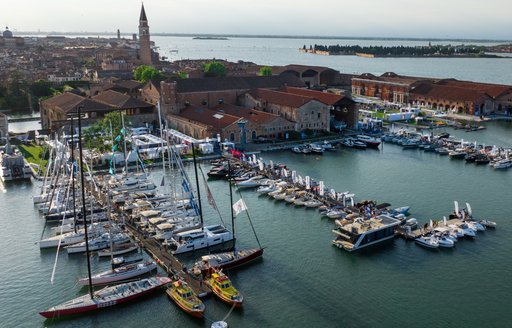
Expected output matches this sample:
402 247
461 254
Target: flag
239 206
321 188
209 195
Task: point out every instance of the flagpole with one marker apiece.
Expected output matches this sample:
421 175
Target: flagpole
124 145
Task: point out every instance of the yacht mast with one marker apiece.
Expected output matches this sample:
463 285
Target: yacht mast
84 210
197 185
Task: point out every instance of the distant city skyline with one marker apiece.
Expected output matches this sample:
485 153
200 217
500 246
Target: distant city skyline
468 19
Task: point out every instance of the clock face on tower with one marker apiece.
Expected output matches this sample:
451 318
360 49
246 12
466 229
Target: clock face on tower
144 32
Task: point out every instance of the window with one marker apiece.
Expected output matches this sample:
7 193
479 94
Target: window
232 137
253 135
319 115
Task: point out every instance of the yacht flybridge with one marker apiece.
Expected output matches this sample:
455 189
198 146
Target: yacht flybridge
194 239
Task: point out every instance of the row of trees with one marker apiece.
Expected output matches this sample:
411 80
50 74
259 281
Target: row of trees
431 50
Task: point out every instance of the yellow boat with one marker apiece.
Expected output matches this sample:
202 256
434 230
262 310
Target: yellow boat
181 293
222 287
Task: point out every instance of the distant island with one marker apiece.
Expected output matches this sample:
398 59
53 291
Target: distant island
209 38
461 51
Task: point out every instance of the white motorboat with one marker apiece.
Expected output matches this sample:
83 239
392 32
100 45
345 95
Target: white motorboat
369 141
312 203
445 242
195 239
477 226
265 189
427 241
335 213
316 149
503 164
301 201
290 198
488 224
468 231
250 183
328 146
119 274
280 196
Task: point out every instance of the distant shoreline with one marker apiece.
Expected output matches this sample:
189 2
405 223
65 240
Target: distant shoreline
265 36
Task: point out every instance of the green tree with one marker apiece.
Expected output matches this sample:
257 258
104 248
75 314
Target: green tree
145 73
214 69
265 71
182 75
41 88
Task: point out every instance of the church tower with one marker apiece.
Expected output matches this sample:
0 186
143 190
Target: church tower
144 43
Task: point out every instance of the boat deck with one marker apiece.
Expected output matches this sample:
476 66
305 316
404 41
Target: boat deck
423 230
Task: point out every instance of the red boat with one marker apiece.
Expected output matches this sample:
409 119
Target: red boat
106 297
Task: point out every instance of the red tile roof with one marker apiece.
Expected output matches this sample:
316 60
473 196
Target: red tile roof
120 100
493 90
281 98
252 115
208 117
447 92
69 102
327 98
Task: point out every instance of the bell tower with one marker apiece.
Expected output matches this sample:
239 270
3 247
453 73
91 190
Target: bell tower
144 43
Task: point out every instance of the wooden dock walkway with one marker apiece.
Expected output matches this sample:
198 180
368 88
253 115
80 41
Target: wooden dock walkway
168 261
424 230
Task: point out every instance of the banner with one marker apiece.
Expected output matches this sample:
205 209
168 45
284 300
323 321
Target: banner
239 207
321 188
308 182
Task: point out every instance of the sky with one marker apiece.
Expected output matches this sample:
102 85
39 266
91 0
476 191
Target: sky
470 19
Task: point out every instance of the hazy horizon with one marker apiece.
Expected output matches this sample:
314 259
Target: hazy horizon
412 19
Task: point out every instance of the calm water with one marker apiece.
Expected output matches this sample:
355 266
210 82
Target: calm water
303 281
266 51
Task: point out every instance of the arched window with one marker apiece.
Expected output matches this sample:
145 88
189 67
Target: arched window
253 135
232 137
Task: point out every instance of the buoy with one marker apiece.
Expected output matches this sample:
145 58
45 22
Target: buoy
219 324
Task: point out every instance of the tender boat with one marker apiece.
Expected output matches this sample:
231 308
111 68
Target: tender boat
445 242
181 293
119 274
369 141
427 241
120 261
224 290
106 297
468 231
488 224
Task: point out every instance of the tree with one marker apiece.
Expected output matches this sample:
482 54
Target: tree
214 69
266 71
145 73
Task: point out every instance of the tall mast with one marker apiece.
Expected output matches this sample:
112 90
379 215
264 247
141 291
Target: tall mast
197 185
84 210
73 172
231 205
161 135
124 145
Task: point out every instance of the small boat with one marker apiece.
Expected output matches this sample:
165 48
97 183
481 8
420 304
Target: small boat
335 213
119 274
106 297
369 141
476 225
403 209
442 151
119 250
468 231
265 189
181 293
503 164
218 172
290 198
121 260
488 224
223 289
312 203
457 154
316 149
301 201
297 150
219 324
328 146
250 183
427 241
445 242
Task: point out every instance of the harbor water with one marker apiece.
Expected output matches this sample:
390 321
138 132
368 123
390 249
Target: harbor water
302 280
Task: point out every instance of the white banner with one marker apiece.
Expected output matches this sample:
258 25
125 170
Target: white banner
239 207
260 163
321 188
308 182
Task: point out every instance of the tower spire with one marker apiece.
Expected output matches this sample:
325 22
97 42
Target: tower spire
143 14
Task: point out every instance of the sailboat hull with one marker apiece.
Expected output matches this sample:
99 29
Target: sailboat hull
84 304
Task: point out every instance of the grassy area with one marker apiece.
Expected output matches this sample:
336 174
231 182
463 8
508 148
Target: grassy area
33 154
